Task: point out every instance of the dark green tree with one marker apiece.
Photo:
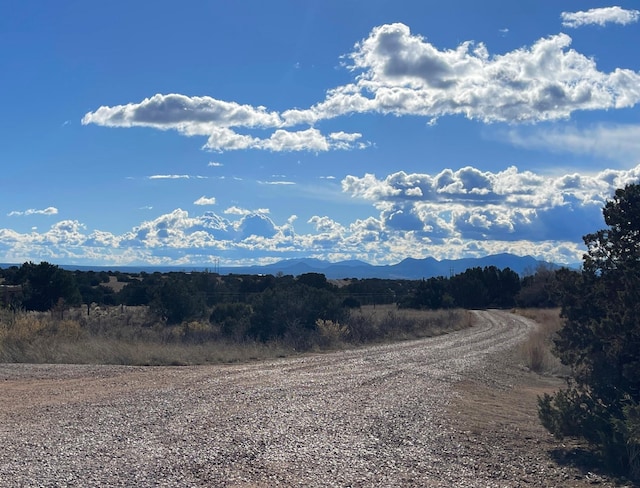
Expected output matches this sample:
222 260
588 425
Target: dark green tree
46 285
176 299
314 280
432 294
232 318
600 340
135 293
469 290
539 289
291 311
507 286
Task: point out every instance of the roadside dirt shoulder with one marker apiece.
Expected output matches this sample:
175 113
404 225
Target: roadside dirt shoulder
495 415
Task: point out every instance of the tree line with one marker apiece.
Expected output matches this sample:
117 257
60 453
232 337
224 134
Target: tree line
179 296
262 307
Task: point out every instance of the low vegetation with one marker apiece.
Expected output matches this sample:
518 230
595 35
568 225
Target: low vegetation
537 350
133 336
49 314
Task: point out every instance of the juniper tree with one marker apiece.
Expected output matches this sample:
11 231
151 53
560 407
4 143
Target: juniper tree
600 340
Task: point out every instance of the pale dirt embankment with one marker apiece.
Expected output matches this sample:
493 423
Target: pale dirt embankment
454 410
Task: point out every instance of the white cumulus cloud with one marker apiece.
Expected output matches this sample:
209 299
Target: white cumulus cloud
402 73
189 115
205 201
600 16
505 205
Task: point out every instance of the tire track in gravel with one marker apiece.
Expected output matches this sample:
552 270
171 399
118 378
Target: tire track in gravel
374 416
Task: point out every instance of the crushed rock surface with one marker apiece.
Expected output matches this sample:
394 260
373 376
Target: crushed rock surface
454 410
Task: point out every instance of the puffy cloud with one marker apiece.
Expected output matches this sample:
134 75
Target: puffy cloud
205 201
326 225
404 74
256 225
100 238
344 136
224 139
67 232
600 16
177 238
33 211
470 185
206 116
243 211
237 211
400 73
282 140
344 140
473 204
179 230
189 115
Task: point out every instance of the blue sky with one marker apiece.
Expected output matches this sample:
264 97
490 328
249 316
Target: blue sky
196 132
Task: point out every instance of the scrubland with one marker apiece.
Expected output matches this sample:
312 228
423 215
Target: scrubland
134 336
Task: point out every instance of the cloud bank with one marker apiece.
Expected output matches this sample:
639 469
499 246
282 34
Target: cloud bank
449 214
472 204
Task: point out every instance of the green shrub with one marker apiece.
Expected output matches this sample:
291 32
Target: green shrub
600 338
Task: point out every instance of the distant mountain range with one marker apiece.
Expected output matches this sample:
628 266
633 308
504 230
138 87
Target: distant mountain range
409 269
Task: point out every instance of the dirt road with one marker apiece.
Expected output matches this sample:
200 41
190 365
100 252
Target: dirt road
392 415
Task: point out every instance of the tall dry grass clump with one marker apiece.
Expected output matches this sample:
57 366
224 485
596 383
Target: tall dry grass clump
332 334
386 323
536 350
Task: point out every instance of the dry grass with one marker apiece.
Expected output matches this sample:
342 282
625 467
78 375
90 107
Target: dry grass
132 336
536 350
387 323
100 350
119 335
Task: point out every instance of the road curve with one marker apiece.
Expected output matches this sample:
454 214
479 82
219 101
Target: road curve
374 416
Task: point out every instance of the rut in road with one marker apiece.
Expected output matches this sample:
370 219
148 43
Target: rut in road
374 416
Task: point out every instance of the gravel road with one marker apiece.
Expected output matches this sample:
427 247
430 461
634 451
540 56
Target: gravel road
376 416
